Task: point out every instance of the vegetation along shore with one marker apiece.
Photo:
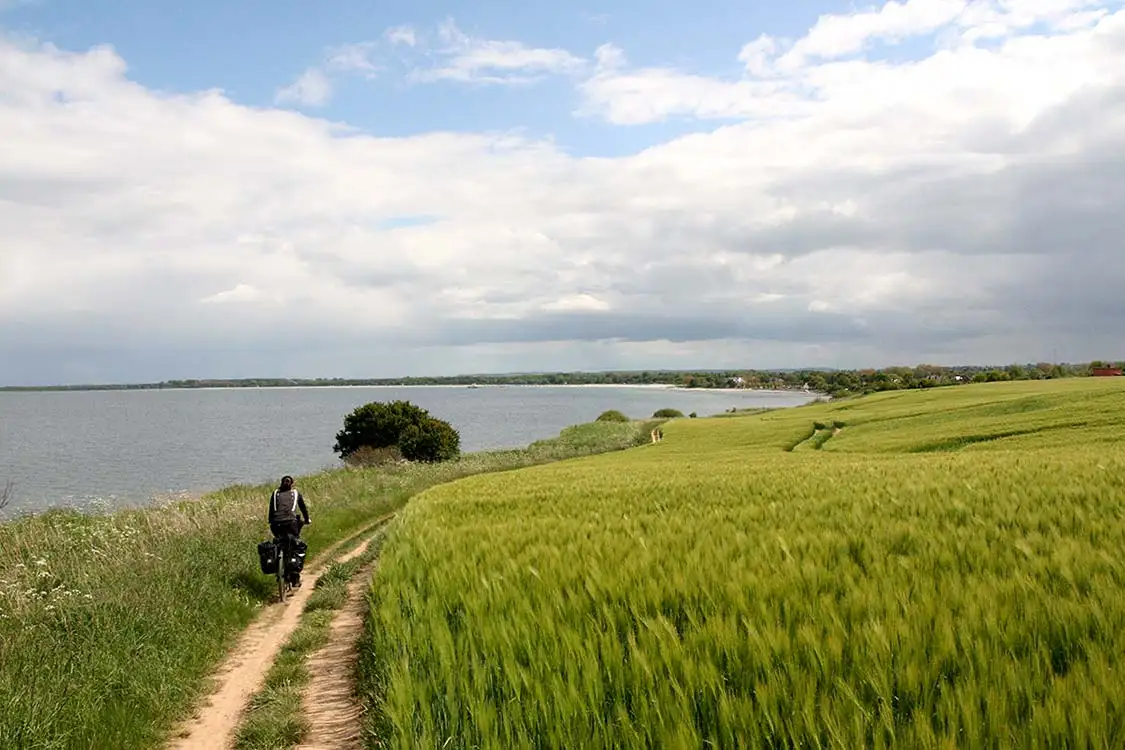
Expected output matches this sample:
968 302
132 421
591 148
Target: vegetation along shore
833 382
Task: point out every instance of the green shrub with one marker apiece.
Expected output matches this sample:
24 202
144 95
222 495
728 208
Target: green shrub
410 428
430 440
667 414
613 415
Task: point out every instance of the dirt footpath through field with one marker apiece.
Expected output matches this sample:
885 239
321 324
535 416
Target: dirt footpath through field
328 701
244 670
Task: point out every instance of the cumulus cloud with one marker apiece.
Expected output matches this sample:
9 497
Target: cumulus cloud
824 71
963 206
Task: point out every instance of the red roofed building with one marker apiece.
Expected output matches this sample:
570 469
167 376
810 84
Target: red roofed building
1101 372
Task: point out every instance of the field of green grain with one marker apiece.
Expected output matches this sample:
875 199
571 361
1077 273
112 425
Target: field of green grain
941 568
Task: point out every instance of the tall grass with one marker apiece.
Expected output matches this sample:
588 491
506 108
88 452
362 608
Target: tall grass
718 590
109 625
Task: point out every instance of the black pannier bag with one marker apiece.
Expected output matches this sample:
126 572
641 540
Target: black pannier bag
297 562
267 556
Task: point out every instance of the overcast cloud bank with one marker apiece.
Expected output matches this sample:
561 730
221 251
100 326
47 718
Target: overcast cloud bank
848 208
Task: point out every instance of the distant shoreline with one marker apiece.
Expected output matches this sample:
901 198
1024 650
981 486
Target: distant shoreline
470 386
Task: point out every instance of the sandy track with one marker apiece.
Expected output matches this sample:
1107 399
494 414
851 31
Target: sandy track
335 718
244 670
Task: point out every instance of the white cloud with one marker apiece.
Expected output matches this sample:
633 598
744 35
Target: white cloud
459 57
314 87
240 293
472 59
609 57
311 89
576 302
401 35
951 208
810 76
835 36
353 58
758 55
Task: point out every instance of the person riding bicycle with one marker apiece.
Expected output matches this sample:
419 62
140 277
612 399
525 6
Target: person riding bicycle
285 501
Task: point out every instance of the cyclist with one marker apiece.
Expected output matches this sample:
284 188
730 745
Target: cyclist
285 501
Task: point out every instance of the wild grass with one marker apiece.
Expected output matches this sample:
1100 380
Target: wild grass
110 625
715 589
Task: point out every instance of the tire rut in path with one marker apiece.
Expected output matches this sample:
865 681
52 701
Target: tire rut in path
328 701
244 670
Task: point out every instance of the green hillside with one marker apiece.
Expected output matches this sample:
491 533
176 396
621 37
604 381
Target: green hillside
927 569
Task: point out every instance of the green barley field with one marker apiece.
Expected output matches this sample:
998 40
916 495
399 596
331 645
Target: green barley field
925 569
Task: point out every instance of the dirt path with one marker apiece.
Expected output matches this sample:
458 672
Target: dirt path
329 702
244 670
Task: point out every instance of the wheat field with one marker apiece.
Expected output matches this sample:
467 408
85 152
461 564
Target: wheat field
923 569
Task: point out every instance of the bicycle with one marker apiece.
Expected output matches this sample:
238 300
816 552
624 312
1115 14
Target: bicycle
283 550
283 557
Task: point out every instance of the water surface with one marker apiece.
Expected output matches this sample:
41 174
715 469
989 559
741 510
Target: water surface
74 448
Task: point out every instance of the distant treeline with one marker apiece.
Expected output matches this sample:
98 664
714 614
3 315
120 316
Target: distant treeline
827 381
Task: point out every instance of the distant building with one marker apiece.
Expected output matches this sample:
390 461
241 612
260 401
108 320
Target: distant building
1102 372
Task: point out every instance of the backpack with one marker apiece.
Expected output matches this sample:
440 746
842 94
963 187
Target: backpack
296 494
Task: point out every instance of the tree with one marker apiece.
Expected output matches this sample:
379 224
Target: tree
410 428
667 414
612 416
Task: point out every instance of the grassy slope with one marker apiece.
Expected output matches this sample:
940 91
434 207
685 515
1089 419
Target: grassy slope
109 625
945 571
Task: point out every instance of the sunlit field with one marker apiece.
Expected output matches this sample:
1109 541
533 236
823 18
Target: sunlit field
940 568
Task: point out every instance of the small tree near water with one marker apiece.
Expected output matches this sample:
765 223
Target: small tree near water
613 415
399 424
667 414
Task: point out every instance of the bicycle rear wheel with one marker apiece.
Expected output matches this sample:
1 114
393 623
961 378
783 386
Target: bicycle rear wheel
282 582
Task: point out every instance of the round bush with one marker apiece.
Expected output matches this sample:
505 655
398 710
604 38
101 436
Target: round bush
612 416
667 414
401 424
431 440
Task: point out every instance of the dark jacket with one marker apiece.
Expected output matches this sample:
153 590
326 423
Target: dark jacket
284 506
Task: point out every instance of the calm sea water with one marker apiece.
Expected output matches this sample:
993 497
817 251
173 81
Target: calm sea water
115 448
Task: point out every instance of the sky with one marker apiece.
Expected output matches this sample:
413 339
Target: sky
357 189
